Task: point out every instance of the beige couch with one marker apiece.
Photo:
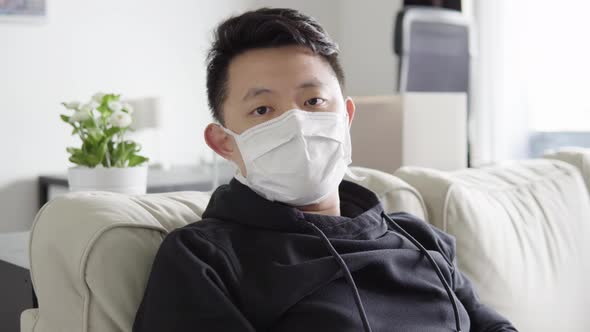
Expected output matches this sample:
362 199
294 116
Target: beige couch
520 227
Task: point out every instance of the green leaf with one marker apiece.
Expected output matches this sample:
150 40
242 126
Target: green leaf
73 150
130 145
124 156
135 160
110 97
115 152
103 108
65 118
88 146
110 132
79 159
92 160
105 115
111 147
95 135
88 123
78 156
75 160
101 151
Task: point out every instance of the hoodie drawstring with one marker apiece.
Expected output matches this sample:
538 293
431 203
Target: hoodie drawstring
432 262
347 275
352 284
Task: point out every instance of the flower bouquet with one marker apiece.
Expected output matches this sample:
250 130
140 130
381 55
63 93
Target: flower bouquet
106 160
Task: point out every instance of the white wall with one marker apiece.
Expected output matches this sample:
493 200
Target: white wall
366 38
134 47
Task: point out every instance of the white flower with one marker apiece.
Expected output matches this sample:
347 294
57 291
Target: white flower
98 97
80 116
115 105
127 107
120 119
73 105
89 107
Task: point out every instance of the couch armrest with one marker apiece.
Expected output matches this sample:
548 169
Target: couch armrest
579 157
91 254
395 194
28 318
521 230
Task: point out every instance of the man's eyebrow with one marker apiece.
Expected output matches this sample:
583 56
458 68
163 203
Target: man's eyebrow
313 83
253 92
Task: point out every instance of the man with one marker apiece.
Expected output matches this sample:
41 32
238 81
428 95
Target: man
289 245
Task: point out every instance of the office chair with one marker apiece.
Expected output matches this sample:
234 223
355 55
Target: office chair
433 46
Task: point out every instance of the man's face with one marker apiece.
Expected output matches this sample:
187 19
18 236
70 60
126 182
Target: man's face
265 83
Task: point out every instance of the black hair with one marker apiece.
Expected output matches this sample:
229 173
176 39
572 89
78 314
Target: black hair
263 28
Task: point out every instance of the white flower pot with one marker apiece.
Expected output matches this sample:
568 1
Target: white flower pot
128 180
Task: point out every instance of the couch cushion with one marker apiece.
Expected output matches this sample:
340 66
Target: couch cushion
521 230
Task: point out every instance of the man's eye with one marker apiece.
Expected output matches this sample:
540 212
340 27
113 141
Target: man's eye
262 110
314 102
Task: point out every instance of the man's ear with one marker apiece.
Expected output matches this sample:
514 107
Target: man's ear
350 108
219 141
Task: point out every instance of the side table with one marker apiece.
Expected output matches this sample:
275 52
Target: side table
179 178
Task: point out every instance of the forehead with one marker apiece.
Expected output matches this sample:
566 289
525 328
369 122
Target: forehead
277 68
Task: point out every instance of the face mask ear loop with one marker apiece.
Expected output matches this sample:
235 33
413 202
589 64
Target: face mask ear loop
233 163
229 132
349 171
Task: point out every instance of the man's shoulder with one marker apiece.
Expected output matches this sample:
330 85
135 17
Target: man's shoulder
209 229
207 241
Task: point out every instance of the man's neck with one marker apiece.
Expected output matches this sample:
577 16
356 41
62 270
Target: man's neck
329 206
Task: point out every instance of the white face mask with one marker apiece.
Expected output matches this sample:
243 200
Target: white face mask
298 158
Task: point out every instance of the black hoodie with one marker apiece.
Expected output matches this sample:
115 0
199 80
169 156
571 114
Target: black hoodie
256 265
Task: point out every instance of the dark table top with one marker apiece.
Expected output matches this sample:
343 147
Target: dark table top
176 178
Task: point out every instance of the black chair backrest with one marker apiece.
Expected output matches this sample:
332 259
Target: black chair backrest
433 45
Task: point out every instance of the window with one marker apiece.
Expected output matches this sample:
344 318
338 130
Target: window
557 72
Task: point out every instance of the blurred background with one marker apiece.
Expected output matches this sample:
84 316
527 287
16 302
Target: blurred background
529 68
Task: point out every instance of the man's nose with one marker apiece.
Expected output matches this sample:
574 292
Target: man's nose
286 108
291 106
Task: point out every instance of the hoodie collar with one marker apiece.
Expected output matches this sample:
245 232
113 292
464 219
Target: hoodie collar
360 209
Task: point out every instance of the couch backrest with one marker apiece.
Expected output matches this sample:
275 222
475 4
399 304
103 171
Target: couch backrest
91 252
521 230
